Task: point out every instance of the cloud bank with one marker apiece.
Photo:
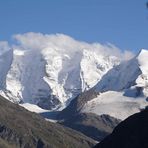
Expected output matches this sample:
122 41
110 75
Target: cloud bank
4 47
62 43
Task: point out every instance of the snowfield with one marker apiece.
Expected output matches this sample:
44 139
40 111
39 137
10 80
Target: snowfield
115 104
48 115
33 108
124 89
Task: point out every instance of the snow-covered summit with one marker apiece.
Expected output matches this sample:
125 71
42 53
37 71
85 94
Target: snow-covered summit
50 70
143 61
142 80
123 89
127 74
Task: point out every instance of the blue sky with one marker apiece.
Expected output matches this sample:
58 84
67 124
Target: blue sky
123 23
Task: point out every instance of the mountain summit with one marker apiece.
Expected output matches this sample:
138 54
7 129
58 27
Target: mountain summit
123 90
52 70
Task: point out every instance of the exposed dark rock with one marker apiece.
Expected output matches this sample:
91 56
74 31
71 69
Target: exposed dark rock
76 104
134 92
40 144
46 103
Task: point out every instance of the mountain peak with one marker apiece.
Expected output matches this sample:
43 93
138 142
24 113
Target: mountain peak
142 60
143 52
62 73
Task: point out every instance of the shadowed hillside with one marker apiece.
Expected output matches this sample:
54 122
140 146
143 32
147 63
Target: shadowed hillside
20 128
131 133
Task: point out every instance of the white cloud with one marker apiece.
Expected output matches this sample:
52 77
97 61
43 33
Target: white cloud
66 43
128 55
4 47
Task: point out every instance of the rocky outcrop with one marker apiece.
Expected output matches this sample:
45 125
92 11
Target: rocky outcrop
76 104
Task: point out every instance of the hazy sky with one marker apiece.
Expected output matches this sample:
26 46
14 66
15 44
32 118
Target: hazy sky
123 23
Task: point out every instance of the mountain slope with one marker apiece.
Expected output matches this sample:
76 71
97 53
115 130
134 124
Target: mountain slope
94 126
129 74
123 89
131 133
90 124
121 92
114 104
22 129
51 70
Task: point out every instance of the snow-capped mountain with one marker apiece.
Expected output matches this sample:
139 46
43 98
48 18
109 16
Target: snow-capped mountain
129 74
123 89
50 71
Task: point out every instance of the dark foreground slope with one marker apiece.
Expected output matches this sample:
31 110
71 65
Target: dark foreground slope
131 133
20 128
92 125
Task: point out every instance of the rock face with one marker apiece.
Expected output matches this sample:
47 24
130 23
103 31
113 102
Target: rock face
20 128
51 70
131 133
